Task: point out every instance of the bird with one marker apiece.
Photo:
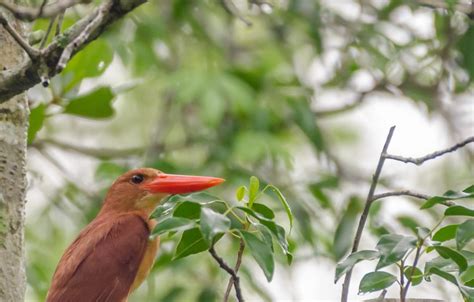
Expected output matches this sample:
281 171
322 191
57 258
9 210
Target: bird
113 254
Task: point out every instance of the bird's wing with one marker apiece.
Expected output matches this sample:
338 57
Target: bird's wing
101 264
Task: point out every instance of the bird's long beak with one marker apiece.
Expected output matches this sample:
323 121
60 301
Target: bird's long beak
180 184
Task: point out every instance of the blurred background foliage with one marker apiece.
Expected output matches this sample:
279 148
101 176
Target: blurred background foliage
234 89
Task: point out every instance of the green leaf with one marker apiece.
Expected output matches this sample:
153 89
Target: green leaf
393 248
414 274
444 275
449 253
263 210
422 232
468 275
466 47
37 116
162 210
253 189
240 193
346 228
449 195
376 281
304 117
213 223
92 61
284 203
464 233
172 224
261 252
95 104
458 211
344 266
446 233
188 209
408 222
191 243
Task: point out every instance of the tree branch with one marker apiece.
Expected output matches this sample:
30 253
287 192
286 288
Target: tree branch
420 160
443 4
230 271
26 13
102 153
365 212
26 75
32 53
236 269
400 193
83 36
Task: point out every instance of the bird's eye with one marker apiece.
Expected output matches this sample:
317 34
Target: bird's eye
137 178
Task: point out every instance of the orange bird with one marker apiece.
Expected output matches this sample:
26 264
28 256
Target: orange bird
113 254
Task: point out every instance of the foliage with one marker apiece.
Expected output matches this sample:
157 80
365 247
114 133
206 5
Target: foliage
205 218
453 262
186 87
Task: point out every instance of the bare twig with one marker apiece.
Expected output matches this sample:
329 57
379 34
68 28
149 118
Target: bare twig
32 53
418 161
48 31
415 262
443 4
236 269
230 7
26 13
230 271
400 193
94 152
79 40
59 24
365 212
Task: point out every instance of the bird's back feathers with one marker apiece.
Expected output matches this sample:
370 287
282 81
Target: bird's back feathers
101 264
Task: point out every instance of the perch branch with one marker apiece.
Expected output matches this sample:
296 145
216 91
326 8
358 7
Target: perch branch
32 53
25 75
48 31
365 212
400 193
82 37
420 160
415 262
230 271
26 13
236 269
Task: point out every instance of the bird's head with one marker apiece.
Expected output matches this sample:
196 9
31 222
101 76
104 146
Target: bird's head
143 189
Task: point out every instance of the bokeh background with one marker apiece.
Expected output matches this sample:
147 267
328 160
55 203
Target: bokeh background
300 93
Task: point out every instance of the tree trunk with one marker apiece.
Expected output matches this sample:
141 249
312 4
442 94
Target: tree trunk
13 128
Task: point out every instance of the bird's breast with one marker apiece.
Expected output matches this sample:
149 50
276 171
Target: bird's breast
148 258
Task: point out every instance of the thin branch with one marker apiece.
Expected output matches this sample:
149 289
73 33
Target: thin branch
443 4
94 152
400 193
79 40
230 271
233 10
236 269
32 53
26 13
59 24
365 212
420 160
415 262
48 31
